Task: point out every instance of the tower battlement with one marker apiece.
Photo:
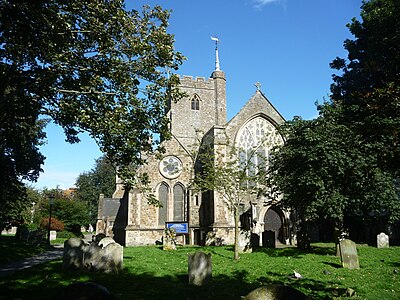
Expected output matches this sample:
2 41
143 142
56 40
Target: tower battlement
196 82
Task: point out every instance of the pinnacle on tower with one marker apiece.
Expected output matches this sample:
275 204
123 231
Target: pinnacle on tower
217 68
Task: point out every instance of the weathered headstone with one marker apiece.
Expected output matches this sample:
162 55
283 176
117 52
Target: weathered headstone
169 239
245 241
106 258
348 254
73 254
199 268
275 292
382 240
53 235
104 242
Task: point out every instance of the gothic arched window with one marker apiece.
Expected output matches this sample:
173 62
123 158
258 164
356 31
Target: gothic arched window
163 193
195 102
179 203
255 141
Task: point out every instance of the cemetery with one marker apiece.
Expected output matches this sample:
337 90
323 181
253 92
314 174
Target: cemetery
207 204
361 271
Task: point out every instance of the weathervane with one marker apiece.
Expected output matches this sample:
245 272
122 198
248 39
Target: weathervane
217 68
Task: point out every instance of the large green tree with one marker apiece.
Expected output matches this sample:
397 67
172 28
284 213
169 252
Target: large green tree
346 161
89 66
99 180
367 90
326 172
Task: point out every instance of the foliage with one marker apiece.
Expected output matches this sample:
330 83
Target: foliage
65 235
229 177
55 224
368 90
146 267
99 180
325 171
346 161
88 66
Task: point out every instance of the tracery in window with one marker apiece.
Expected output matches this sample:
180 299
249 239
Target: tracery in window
254 142
195 102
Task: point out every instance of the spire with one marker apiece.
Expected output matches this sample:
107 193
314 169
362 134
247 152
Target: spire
217 68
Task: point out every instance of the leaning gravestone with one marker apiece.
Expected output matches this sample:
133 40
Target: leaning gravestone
275 292
199 268
348 254
382 240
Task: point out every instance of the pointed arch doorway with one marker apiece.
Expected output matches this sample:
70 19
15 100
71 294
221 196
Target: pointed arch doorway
273 228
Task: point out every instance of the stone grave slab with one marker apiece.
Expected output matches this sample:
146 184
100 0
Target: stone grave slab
348 254
199 268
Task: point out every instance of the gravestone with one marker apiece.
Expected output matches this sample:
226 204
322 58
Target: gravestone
275 292
348 254
73 254
53 235
245 241
199 268
382 240
169 239
106 258
269 239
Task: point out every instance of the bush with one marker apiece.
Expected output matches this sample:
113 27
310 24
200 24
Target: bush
65 234
55 224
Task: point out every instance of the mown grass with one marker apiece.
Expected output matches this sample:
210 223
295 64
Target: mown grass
151 273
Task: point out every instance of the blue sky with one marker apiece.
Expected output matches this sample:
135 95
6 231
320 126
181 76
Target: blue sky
286 45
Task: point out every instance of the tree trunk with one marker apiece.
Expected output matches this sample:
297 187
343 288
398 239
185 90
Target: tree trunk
236 248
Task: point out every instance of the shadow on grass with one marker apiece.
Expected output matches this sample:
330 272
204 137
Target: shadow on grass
47 281
13 249
296 252
337 266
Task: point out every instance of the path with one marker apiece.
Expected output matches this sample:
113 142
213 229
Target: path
37 259
31 261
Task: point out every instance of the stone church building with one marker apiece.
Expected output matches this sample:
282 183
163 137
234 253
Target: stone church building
198 119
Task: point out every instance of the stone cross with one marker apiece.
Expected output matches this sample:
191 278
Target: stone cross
258 85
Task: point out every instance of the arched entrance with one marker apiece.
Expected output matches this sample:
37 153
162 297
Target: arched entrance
273 228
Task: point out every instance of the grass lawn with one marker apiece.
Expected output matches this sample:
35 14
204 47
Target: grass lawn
151 273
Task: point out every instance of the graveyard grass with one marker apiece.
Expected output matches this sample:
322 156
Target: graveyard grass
151 273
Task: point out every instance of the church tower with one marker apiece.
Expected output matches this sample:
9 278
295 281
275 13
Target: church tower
203 107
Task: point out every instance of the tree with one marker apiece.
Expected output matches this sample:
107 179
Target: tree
368 90
89 66
324 171
232 178
346 161
99 180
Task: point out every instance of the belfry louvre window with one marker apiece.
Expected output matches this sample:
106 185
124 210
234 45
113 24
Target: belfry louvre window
163 192
195 102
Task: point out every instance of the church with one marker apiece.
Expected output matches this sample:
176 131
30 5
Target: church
198 118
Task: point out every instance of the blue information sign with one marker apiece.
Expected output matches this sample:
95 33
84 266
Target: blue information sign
179 227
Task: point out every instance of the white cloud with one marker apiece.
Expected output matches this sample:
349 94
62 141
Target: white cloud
260 3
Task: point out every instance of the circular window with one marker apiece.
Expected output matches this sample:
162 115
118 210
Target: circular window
170 167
